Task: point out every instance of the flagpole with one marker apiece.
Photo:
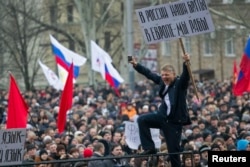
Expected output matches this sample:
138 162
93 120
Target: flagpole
189 69
130 42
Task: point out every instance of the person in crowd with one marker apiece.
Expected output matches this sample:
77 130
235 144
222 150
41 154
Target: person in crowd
78 136
74 153
215 147
31 138
220 141
127 109
117 136
131 162
197 158
187 160
53 150
43 156
172 114
62 155
116 151
203 150
30 153
65 140
99 151
33 122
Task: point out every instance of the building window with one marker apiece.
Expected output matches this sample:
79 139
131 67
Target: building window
53 14
107 36
166 48
207 44
229 44
70 13
187 44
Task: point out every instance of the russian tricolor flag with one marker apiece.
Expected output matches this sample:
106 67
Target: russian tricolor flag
245 61
64 57
243 81
101 62
112 76
242 85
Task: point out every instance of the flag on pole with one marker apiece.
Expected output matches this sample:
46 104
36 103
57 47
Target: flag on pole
245 60
64 57
51 77
102 63
66 101
243 82
17 108
98 59
112 76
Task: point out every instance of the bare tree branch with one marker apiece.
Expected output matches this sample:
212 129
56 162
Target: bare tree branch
226 16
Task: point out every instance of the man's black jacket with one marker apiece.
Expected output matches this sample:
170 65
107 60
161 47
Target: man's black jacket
177 92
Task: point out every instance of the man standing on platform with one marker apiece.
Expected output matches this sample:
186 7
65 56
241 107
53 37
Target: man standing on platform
172 112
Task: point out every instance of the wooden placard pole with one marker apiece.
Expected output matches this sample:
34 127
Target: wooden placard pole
189 70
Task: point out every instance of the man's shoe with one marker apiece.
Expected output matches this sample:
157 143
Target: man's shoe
148 152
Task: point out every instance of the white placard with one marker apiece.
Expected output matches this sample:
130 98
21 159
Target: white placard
175 20
132 137
12 146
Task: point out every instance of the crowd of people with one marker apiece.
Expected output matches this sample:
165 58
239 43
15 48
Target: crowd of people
95 124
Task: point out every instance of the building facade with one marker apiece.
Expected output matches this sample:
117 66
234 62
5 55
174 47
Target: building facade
212 54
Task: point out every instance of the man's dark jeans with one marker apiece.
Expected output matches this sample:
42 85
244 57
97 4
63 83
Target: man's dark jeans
171 131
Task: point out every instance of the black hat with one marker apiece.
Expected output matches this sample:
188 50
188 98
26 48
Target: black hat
43 151
204 148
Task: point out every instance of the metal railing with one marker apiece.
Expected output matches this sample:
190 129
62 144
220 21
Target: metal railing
80 162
